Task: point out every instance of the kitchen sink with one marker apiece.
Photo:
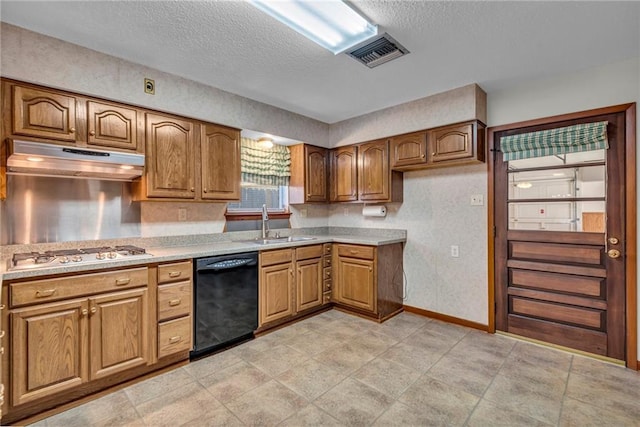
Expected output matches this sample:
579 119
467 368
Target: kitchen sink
274 240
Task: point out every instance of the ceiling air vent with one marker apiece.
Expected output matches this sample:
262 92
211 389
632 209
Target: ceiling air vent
378 51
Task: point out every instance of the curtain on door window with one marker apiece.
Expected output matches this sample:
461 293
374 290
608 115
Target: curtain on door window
264 166
558 141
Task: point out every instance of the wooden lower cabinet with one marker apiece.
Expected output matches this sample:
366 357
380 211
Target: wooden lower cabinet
368 280
49 349
175 297
119 332
290 284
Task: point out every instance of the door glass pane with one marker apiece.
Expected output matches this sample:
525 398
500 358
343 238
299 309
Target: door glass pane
572 182
557 216
558 193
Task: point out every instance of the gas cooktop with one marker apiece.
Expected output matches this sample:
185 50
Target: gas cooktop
34 260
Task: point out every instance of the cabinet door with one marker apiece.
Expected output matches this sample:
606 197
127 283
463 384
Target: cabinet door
316 168
344 174
170 157
112 126
354 284
451 143
220 163
119 330
373 171
309 283
48 349
276 292
44 114
409 150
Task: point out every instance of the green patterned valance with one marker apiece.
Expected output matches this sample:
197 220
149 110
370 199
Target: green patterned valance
264 166
570 139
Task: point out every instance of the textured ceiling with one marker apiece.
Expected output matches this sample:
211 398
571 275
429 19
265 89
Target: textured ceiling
233 46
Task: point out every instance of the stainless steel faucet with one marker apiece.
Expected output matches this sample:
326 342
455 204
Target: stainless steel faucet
265 222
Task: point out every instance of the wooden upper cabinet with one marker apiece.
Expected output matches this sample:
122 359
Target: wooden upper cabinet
457 144
170 157
220 163
43 114
112 126
309 174
410 149
373 171
344 174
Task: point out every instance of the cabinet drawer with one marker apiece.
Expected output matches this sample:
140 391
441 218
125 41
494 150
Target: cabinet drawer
327 248
174 300
326 274
174 272
38 291
326 285
326 298
353 251
174 336
279 256
306 252
326 261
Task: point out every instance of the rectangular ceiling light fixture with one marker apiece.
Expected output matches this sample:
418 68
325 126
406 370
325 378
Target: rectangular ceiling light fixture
332 24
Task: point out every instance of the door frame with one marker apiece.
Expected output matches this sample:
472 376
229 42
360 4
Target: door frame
631 308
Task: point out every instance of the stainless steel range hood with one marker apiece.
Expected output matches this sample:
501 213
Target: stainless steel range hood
40 159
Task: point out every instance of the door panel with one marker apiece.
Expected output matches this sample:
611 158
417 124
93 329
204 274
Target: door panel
554 280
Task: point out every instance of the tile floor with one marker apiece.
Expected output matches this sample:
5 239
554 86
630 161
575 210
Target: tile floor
337 369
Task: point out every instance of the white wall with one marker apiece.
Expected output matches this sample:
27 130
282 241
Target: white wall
609 84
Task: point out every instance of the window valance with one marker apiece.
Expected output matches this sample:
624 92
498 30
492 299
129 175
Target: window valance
570 139
264 166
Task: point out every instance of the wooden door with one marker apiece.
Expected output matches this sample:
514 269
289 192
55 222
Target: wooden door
44 114
276 292
48 349
354 283
309 283
373 171
557 279
451 143
344 174
409 150
170 157
112 126
316 168
220 163
119 330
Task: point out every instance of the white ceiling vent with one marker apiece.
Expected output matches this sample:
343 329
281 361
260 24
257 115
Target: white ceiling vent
377 51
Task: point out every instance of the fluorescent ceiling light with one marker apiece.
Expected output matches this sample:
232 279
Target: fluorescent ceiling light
330 23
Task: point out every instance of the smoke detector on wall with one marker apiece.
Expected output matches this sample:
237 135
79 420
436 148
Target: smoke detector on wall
377 51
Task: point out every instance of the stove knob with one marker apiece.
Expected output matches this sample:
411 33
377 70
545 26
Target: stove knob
112 255
76 258
101 255
64 259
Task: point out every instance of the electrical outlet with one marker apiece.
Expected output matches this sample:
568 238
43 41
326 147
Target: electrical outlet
149 86
455 251
345 211
477 200
182 214
303 213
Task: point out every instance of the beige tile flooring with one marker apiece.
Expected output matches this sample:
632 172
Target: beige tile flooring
338 369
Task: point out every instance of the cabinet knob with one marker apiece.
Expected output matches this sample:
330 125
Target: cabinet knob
370 269
92 132
85 311
2 333
205 190
291 272
72 130
93 310
433 154
423 156
193 190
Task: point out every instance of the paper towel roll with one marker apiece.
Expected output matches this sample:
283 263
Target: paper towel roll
377 210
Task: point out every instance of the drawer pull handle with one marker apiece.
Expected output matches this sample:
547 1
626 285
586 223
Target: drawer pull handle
174 340
45 293
122 282
174 302
175 273
353 251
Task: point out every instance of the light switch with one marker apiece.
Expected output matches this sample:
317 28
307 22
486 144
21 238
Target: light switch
455 251
182 214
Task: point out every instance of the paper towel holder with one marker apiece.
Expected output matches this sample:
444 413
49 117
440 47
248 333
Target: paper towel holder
379 211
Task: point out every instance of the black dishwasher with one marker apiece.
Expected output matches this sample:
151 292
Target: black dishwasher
225 301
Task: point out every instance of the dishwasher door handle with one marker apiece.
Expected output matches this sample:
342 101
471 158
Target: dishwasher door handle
224 265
